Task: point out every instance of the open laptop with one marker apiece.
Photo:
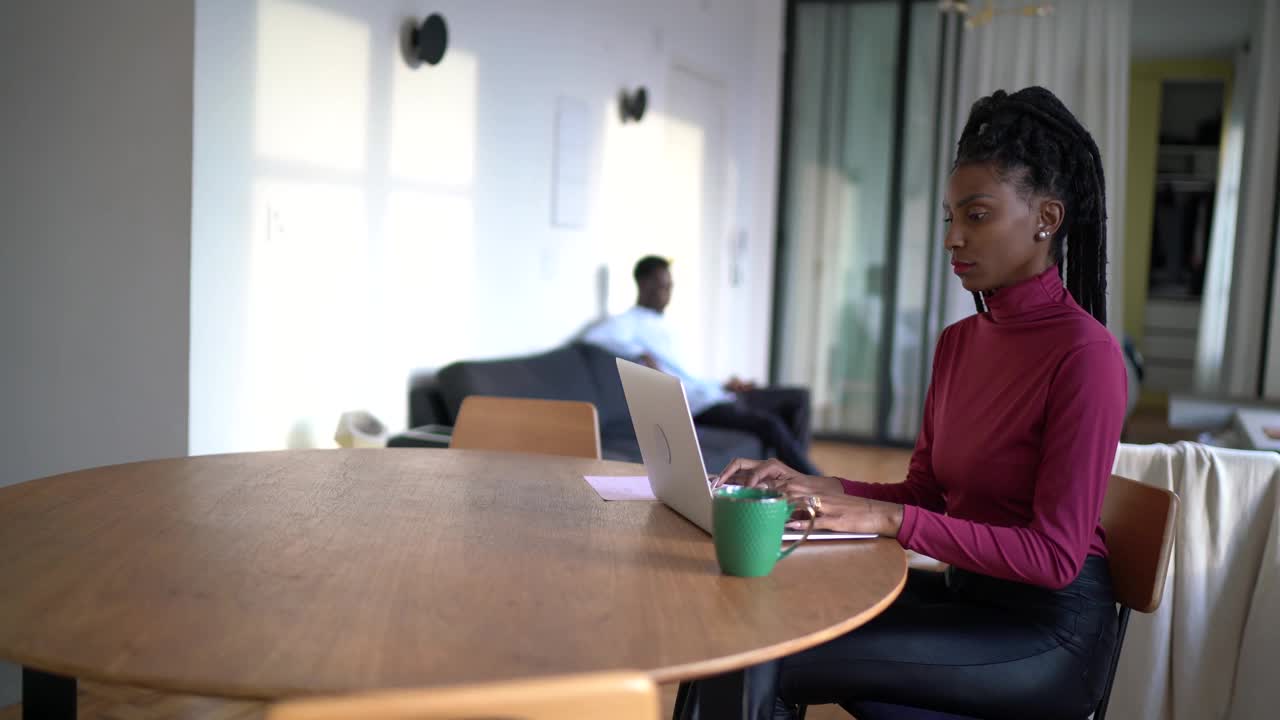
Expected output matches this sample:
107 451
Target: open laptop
669 446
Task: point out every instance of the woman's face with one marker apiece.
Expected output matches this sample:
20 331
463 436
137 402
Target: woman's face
993 229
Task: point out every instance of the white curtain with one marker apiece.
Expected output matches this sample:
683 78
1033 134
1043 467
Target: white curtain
1081 54
1216 300
1246 333
1232 333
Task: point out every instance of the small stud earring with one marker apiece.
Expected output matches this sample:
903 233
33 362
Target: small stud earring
1043 234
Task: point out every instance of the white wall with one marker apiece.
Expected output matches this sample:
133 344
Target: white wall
1190 28
95 168
354 219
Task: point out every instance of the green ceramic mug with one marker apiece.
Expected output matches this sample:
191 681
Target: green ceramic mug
747 526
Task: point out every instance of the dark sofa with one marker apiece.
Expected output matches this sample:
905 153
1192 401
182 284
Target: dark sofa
576 371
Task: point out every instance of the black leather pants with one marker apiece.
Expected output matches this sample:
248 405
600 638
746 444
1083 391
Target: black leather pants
962 643
778 416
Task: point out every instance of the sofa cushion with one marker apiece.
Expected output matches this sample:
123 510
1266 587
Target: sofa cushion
559 374
579 372
611 401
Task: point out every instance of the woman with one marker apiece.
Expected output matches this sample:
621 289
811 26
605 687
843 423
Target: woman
1019 433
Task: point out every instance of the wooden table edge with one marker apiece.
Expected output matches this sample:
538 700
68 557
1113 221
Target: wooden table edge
687 671
719 666
678 673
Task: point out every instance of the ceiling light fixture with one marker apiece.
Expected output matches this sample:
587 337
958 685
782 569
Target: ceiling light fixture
977 17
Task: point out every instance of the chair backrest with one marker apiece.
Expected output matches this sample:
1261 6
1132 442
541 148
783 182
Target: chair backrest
1139 520
550 427
618 695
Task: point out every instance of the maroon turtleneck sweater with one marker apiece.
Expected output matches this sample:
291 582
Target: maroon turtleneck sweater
1020 429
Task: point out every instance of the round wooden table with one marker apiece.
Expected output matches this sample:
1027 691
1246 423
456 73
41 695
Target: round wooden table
266 575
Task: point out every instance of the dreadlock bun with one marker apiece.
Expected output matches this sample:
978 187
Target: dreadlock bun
1033 140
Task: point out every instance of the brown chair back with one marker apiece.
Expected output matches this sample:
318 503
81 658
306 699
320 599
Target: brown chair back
550 427
619 695
1139 520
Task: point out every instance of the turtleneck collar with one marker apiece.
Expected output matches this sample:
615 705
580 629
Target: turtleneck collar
1035 298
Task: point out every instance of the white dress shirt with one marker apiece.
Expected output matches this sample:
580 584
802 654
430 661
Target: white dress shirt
641 331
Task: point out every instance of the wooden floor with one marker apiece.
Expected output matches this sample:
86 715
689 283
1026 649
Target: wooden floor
111 702
860 462
1149 425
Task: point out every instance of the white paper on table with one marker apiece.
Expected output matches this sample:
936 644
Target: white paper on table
621 487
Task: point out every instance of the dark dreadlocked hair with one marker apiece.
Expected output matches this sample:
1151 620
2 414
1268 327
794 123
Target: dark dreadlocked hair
1033 140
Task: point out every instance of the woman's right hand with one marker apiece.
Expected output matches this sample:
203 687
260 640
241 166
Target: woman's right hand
774 475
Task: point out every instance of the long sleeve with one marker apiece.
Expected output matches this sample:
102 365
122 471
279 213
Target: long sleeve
641 331
1084 413
616 336
920 488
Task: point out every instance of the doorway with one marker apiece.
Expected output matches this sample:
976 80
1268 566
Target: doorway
1186 181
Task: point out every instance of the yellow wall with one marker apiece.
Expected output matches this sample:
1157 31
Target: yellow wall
1145 82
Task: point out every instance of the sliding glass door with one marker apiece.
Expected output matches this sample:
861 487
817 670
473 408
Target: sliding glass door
858 247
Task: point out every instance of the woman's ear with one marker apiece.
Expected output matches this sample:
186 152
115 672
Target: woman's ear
1051 215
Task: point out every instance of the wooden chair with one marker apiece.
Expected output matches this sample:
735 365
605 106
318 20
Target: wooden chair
1139 520
549 427
620 695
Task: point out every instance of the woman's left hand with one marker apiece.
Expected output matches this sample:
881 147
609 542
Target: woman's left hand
849 513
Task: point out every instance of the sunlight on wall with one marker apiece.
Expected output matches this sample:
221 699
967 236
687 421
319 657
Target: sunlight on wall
312 94
308 309
428 280
355 220
347 249
339 319
433 121
629 214
681 238
653 204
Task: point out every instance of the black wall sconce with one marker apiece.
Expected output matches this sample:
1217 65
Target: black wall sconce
631 106
428 41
